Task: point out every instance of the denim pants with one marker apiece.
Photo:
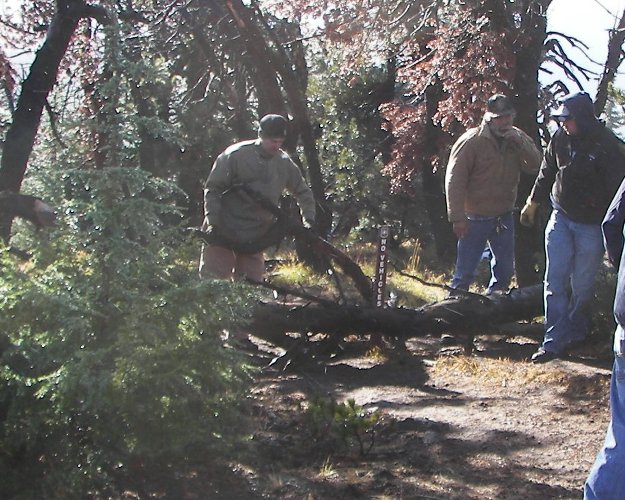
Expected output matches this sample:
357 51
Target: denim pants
498 233
606 480
574 254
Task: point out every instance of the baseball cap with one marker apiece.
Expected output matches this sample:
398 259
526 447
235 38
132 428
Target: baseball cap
561 113
499 105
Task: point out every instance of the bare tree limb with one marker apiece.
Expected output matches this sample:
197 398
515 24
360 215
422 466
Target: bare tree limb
612 63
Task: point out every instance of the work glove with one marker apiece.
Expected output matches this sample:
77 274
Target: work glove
528 213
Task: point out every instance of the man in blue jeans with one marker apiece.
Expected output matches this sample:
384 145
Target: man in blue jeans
582 168
606 480
481 183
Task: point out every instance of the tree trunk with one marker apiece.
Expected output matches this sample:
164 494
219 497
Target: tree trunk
444 238
34 93
612 63
434 192
270 98
528 241
268 65
469 314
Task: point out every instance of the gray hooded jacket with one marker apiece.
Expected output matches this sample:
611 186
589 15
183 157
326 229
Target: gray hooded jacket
234 214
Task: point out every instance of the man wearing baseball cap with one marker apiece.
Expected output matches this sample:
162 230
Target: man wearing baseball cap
582 168
234 218
481 183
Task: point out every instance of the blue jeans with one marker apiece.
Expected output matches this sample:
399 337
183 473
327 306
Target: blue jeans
574 254
606 480
498 232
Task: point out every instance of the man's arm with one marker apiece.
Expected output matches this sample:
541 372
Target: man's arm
303 194
529 154
461 159
612 227
219 180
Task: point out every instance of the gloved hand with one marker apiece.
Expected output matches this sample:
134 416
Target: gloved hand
528 213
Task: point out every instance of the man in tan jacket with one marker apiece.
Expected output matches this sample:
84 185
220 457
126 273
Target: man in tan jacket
233 216
481 183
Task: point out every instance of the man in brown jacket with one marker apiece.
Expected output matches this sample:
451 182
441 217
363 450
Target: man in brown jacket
261 166
481 182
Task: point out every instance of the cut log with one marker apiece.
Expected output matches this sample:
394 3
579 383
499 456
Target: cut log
467 314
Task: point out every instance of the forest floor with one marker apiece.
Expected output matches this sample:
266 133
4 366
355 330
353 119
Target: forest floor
451 425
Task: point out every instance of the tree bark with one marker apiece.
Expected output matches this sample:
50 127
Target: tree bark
529 242
469 314
433 184
270 98
612 63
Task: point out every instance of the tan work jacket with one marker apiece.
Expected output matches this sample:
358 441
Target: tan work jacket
483 172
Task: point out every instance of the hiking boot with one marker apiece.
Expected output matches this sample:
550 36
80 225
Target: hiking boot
447 339
542 356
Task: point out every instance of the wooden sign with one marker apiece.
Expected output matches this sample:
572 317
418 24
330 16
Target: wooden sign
379 284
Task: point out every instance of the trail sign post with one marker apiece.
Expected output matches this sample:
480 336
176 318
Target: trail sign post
379 285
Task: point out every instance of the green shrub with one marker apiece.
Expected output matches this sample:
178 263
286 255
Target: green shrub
111 352
340 425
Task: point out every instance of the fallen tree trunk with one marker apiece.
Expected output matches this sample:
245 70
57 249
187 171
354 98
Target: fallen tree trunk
466 314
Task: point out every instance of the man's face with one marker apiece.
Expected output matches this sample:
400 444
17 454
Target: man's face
271 144
569 125
500 125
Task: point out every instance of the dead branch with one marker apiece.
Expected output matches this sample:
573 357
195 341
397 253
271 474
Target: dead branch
612 63
435 285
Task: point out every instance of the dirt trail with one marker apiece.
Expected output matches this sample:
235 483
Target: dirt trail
488 425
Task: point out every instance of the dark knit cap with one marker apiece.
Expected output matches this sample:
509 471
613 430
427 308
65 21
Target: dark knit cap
272 126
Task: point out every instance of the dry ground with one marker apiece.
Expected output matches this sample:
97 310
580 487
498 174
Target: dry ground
489 425
452 426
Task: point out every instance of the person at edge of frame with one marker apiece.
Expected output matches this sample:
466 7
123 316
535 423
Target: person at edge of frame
606 479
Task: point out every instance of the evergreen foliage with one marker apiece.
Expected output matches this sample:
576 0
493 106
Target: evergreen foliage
111 353
337 425
354 148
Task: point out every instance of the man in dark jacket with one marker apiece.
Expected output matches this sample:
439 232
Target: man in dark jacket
606 478
582 168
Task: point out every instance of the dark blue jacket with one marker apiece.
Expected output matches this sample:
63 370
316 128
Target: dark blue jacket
581 173
613 228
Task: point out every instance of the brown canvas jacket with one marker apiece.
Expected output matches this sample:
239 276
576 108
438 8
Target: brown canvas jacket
483 174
